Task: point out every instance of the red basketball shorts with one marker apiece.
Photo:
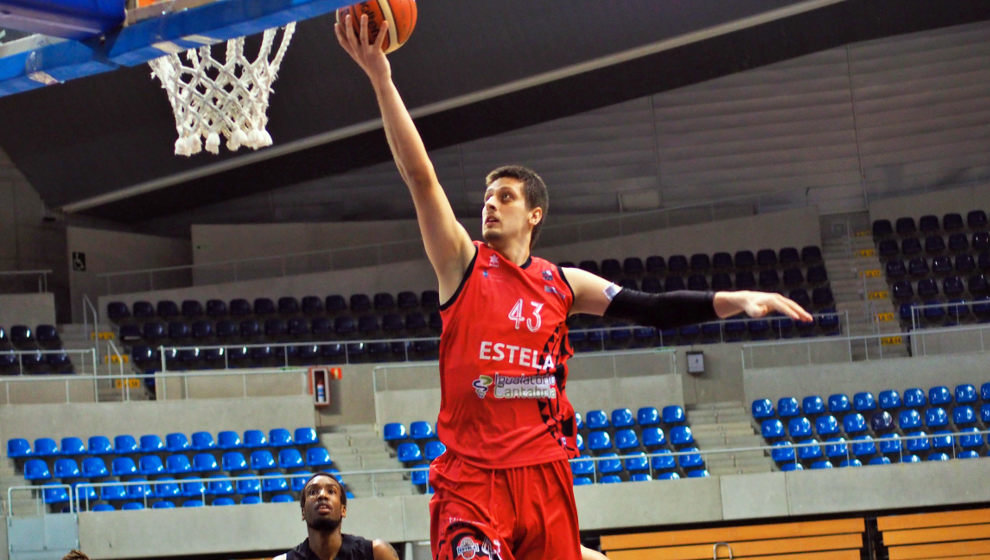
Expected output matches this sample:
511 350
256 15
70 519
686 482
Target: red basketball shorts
520 513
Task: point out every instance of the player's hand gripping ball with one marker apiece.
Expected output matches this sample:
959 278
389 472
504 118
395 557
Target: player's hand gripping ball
400 15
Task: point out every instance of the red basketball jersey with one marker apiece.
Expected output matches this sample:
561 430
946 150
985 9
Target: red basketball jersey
503 364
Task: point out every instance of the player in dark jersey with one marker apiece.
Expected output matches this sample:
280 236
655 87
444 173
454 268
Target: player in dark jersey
324 506
503 489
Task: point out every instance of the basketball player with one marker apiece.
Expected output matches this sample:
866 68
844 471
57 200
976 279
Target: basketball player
503 489
324 506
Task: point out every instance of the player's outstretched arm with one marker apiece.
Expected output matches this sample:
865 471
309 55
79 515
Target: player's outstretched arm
383 550
448 245
597 296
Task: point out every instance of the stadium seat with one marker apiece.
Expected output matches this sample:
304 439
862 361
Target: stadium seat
262 460
799 427
963 416
808 449
672 414
653 438
691 459
863 446
596 420
788 407
854 424
178 464
45 447
202 441
836 447
681 435
433 449
971 438
626 439
609 463
864 402
637 463
319 457
125 444
290 458
94 468
254 439
782 452
915 398
663 460
421 430
150 443
408 453
150 465
965 393
812 405
138 491
192 489
826 425
772 429
275 484
881 422
599 441
66 468
176 442
889 399
838 403
936 417
622 418
647 416
228 439
55 495
204 463
113 492
123 466
762 408
118 311
36 469
917 442
394 432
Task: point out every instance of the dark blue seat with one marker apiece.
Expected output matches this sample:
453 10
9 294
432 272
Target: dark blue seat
934 244
929 223
882 228
633 267
653 438
826 425
958 243
233 462
254 439
677 265
311 305
889 399
648 416
290 458
911 247
118 311
895 269
854 424
700 263
229 439
287 306
863 402
216 308
318 457
611 269
939 395
94 468
239 307
360 303
909 419
799 427
672 414
250 329
881 422
262 460
812 405
656 265
599 441
143 309
905 225
275 327
762 408
788 407
772 429
952 221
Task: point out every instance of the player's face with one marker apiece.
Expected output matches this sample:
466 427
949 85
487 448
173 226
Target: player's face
505 214
322 509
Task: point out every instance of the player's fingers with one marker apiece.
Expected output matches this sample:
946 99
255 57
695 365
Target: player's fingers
382 34
364 29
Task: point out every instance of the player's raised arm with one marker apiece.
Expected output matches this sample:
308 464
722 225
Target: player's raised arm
448 245
597 296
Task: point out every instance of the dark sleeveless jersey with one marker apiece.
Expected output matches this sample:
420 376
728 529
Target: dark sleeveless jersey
351 548
503 364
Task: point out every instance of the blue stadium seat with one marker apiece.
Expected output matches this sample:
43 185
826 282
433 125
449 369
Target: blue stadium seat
788 407
279 498
772 429
583 466
653 438
915 398
909 419
246 500
138 491
297 479
786 467
782 452
648 416
45 447
609 463
854 462
963 416
113 492
318 457
854 424
118 311
66 468
663 460
838 403
637 462
233 462
151 443
936 417
254 439
248 487
150 465
103 507
202 441
863 402
971 438
762 408
681 435
965 393
863 446
395 432
94 467
808 449
812 405
623 418
610 479
276 484
36 469
18 448
889 399
55 494
176 442
596 420
827 425
228 439
409 453
836 447
433 449
917 441
192 488
672 414
821 464
262 460
939 395
239 307
626 439
204 463
799 428
123 466
890 444
290 458
166 487
421 430
599 440
177 464
125 444
881 422
691 459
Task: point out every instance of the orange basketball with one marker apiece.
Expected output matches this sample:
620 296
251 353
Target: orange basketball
400 14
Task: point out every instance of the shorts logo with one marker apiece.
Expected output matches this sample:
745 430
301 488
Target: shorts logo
467 548
481 385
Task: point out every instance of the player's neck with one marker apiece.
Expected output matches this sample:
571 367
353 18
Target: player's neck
325 545
516 252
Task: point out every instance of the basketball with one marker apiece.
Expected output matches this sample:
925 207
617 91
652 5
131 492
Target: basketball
400 15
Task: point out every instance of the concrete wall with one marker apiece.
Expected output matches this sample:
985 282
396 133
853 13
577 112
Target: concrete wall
113 251
960 200
27 309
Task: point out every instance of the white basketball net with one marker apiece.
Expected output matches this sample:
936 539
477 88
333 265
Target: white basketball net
210 97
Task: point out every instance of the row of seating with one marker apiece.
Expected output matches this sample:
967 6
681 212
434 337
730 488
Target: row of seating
962 417
940 265
766 280
276 329
21 337
682 265
933 245
864 401
285 306
788 462
632 466
261 461
905 226
904 291
174 442
38 362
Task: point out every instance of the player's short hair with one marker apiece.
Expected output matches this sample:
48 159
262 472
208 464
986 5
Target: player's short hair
343 493
534 189
75 555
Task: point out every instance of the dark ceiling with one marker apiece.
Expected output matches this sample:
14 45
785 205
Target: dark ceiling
113 133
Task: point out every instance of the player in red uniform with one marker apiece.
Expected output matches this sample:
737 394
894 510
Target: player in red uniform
503 489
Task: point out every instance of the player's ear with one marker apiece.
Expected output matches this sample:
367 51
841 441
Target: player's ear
343 511
535 215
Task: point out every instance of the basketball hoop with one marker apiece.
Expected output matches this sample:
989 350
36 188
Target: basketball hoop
210 97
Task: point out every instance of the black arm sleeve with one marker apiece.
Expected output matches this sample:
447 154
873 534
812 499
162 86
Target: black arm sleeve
663 311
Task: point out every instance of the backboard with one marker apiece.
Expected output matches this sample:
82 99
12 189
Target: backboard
72 39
